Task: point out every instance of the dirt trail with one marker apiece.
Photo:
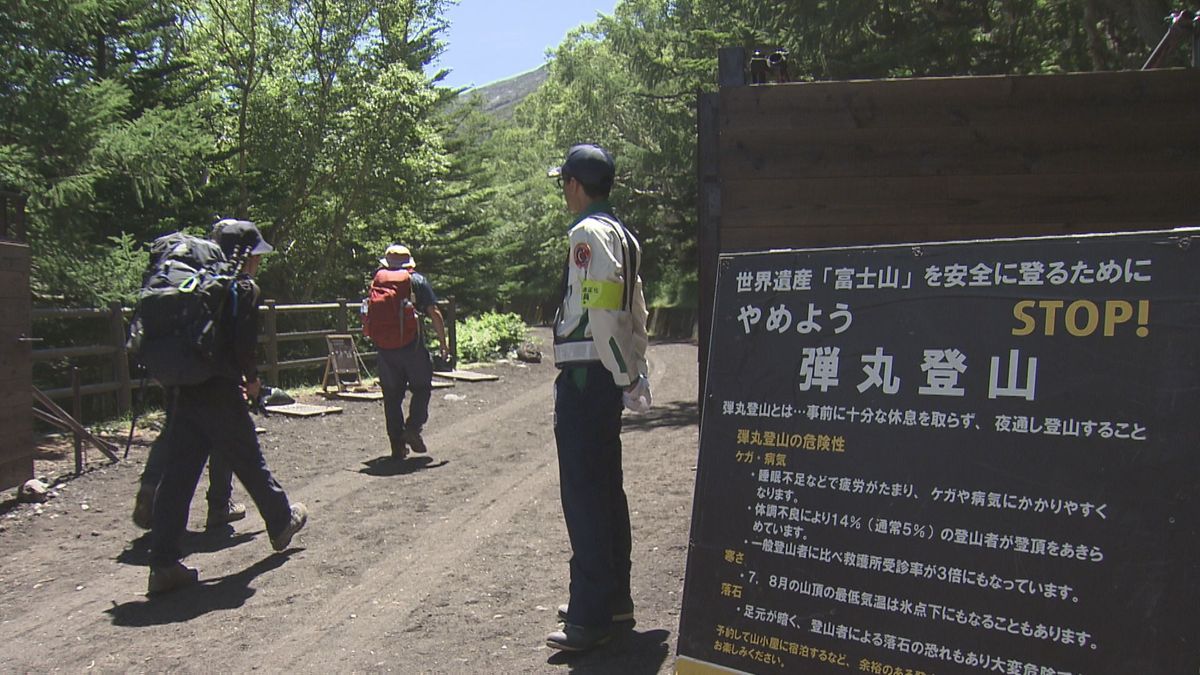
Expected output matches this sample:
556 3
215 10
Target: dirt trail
453 562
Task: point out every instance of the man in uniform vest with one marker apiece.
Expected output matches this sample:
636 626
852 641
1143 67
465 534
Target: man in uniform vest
398 292
600 349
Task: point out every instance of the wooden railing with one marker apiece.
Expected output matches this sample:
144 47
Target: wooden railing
123 383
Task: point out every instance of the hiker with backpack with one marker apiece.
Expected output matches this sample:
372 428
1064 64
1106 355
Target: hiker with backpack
196 331
398 295
222 510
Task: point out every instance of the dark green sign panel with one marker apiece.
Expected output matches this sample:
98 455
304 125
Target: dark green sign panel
962 457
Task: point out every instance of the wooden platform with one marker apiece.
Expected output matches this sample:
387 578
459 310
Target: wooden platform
356 395
467 376
374 395
303 410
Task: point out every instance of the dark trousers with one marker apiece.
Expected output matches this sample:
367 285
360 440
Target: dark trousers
210 418
405 369
587 428
220 476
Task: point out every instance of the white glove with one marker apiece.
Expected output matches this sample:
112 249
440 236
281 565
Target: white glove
638 399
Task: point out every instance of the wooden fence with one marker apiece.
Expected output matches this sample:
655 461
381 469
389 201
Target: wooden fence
123 383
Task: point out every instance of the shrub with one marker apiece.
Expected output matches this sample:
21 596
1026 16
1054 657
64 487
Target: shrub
490 336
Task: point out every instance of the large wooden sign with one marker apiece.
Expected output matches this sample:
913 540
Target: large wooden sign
949 458
16 374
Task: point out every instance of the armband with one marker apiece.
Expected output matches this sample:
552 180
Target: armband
601 294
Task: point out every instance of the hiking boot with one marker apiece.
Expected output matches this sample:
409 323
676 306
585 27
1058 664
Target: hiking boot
143 507
622 612
575 638
232 512
166 578
413 437
399 450
296 523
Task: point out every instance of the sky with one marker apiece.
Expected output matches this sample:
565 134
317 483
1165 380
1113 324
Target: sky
492 40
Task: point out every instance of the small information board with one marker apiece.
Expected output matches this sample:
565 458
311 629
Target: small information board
951 458
343 366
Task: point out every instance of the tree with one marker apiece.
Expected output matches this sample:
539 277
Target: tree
328 139
630 80
98 131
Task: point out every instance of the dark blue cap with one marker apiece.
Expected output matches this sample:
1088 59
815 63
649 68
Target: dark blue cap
588 164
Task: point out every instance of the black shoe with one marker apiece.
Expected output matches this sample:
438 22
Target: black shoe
621 612
413 437
167 578
573 638
232 512
143 507
399 451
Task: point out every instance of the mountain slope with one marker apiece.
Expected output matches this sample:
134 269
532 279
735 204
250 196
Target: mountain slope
499 98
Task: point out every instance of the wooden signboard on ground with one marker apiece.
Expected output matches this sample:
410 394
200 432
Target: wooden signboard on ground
957 457
343 366
16 373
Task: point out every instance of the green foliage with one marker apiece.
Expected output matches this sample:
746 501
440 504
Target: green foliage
121 120
95 276
630 81
489 336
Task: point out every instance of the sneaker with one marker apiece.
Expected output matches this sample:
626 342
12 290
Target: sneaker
413 437
143 507
575 638
166 578
399 450
621 613
296 523
232 512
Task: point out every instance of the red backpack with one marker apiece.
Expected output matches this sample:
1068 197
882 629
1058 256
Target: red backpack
391 317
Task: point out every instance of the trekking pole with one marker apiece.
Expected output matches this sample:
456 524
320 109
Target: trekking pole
137 413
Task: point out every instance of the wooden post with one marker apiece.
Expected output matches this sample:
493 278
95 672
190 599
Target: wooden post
343 324
77 409
709 220
731 66
271 327
117 330
1196 44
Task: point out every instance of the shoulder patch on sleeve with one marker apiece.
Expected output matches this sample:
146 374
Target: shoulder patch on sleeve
582 255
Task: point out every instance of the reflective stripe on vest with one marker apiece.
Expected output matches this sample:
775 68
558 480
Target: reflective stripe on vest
575 352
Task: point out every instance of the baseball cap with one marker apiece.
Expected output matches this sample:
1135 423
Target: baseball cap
396 256
233 235
589 164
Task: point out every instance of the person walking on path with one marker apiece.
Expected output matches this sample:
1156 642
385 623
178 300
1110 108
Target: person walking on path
222 510
600 348
397 296
214 417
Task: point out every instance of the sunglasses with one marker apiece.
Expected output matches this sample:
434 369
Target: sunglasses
562 179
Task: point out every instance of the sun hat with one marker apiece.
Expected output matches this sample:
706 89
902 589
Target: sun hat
397 256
